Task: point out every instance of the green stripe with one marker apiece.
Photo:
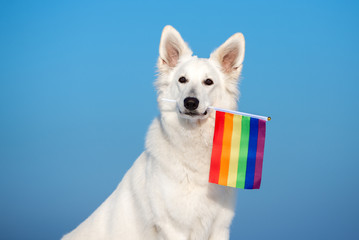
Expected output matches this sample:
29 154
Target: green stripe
243 152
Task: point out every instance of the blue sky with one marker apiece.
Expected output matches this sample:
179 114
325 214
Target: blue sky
77 97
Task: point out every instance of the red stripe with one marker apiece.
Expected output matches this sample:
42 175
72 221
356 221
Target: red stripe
259 155
217 148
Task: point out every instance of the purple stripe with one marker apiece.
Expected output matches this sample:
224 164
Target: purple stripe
259 155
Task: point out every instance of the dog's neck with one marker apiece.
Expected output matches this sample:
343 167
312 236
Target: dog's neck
190 139
181 131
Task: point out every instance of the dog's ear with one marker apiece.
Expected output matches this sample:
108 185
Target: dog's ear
172 49
230 55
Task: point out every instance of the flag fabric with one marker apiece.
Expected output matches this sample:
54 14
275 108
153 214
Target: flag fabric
237 153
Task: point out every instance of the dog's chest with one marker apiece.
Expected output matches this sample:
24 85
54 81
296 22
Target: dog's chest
179 169
189 203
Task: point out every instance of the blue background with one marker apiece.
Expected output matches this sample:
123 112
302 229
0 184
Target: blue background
77 97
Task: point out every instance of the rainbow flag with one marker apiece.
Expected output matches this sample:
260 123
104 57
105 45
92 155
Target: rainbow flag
237 153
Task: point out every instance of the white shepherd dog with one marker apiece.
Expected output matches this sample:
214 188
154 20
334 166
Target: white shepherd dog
166 194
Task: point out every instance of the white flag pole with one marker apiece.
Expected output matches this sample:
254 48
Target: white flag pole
228 111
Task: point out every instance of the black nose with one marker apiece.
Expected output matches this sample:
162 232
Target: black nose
191 103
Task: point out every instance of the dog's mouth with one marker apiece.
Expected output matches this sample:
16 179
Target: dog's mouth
193 114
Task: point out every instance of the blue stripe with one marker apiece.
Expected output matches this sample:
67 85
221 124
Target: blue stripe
252 151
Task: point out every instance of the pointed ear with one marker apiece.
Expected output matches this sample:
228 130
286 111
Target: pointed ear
230 54
172 48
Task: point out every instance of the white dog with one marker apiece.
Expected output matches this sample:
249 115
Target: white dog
166 194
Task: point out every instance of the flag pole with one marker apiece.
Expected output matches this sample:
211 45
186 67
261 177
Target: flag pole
228 111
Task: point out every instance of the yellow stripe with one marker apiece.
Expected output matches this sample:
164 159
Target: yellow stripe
226 149
233 160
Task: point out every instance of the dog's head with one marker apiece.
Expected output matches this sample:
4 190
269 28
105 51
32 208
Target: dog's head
197 83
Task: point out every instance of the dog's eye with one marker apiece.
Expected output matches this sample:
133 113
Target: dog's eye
208 81
182 80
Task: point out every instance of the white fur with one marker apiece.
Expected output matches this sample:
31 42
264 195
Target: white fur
166 194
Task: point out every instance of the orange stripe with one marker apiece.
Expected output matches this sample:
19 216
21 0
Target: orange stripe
226 149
